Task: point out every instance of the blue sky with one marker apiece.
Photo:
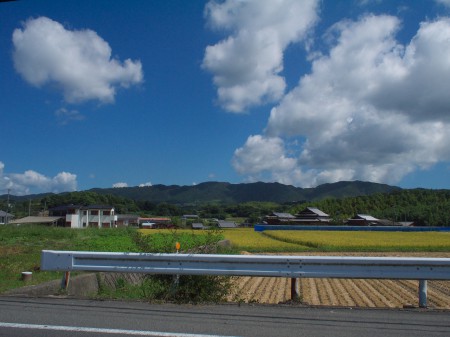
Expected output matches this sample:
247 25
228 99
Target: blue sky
134 93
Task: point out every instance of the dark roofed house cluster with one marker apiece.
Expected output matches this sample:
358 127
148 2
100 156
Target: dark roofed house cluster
312 216
309 216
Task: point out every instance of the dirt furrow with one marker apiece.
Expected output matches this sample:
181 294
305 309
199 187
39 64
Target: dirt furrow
351 293
395 290
389 292
411 288
437 297
313 297
287 288
440 293
343 295
362 299
374 294
267 289
321 292
442 286
332 298
279 291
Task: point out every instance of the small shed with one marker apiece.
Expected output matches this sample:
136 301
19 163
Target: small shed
226 224
198 225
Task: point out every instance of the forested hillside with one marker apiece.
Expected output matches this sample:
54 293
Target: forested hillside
220 192
425 207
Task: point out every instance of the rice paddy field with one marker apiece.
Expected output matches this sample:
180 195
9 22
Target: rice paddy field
247 239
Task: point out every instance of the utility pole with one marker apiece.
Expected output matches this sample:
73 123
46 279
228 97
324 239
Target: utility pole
7 208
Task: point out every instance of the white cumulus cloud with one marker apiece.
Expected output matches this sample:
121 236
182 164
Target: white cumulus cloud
371 108
120 185
78 62
33 182
246 66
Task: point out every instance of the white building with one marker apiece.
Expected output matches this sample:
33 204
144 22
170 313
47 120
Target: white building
101 216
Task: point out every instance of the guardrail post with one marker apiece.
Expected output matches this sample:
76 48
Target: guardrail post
295 289
65 280
422 293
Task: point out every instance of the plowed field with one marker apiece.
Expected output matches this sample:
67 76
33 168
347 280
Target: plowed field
345 292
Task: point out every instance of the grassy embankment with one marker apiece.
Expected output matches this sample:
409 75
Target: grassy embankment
20 249
21 246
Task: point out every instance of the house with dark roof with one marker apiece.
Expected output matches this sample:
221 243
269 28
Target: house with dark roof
364 220
38 220
312 216
5 217
368 220
276 218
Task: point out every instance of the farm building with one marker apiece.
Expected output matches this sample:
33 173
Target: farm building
368 220
226 224
125 220
198 225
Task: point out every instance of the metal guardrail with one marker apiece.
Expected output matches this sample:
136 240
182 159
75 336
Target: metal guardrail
294 267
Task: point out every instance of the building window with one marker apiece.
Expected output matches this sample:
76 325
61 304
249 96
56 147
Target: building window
106 212
94 212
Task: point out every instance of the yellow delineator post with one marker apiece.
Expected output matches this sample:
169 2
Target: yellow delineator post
177 277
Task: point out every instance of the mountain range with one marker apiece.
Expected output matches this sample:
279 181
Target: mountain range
223 192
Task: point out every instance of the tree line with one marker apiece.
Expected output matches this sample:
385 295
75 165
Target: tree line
424 207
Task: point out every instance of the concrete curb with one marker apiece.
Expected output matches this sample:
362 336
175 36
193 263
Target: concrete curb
81 286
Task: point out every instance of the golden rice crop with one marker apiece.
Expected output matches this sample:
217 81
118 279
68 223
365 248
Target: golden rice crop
299 241
365 241
249 240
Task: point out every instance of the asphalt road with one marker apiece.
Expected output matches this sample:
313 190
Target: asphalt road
73 317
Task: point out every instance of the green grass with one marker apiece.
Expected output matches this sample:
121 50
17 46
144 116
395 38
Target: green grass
164 241
21 246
